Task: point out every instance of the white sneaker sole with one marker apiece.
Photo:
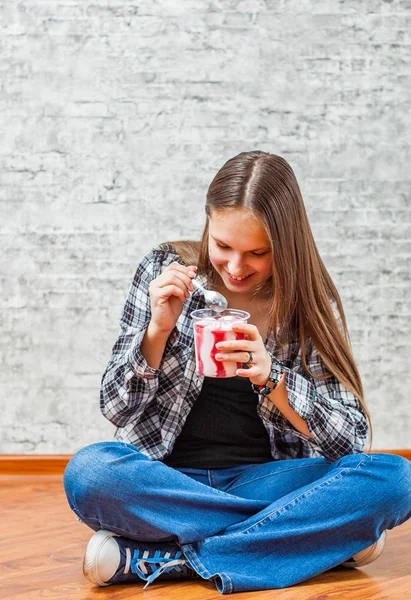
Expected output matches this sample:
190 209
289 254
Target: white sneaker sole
92 554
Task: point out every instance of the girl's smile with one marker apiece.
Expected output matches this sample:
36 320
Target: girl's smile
239 282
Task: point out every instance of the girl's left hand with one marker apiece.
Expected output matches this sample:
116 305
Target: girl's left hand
237 351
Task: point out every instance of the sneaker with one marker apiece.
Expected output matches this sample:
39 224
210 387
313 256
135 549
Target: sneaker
111 559
368 555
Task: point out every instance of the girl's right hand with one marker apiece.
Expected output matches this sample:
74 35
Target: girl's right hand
168 292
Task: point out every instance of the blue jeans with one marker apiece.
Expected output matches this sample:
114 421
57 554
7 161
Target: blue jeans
249 527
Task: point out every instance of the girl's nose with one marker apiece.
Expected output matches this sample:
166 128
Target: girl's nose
236 269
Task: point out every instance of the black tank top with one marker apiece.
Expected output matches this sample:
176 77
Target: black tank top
222 429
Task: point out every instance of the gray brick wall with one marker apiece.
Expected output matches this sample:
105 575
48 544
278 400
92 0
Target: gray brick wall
115 117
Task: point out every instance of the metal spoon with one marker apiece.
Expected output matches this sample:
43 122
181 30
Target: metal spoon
214 300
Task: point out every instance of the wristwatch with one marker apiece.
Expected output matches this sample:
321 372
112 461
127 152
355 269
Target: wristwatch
277 369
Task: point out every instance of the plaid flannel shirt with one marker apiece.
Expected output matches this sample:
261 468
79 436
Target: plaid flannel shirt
150 406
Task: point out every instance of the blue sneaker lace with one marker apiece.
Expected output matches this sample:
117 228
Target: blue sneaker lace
166 564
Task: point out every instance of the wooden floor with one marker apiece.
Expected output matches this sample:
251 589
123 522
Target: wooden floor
42 547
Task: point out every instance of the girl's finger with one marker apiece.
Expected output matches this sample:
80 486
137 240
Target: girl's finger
246 372
236 356
251 331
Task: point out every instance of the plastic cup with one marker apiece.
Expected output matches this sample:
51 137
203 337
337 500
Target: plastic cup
209 329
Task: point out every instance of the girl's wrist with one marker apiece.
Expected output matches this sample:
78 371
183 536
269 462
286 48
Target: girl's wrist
273 379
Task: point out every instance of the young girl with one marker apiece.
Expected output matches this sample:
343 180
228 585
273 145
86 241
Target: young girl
253 482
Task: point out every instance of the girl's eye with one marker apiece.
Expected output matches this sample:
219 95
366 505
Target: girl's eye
255 253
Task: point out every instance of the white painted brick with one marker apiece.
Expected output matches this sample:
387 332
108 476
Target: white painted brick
115 118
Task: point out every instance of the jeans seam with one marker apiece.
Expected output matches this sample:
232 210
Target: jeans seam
188 550
76 510
271 475
310 491
73 504
194 557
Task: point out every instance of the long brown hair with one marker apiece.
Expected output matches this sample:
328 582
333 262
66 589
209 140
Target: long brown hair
305 303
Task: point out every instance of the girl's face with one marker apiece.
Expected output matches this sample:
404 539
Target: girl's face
239 247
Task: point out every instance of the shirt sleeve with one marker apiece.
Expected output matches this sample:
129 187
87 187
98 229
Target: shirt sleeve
333 414
129 383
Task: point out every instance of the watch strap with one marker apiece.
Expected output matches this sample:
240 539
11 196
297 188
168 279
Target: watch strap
277 370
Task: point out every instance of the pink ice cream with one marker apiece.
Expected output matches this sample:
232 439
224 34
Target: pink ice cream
207 333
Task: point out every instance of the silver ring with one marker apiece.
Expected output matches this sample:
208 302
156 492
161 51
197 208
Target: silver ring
250 360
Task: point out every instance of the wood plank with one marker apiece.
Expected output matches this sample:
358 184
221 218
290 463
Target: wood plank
43 546
33 464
